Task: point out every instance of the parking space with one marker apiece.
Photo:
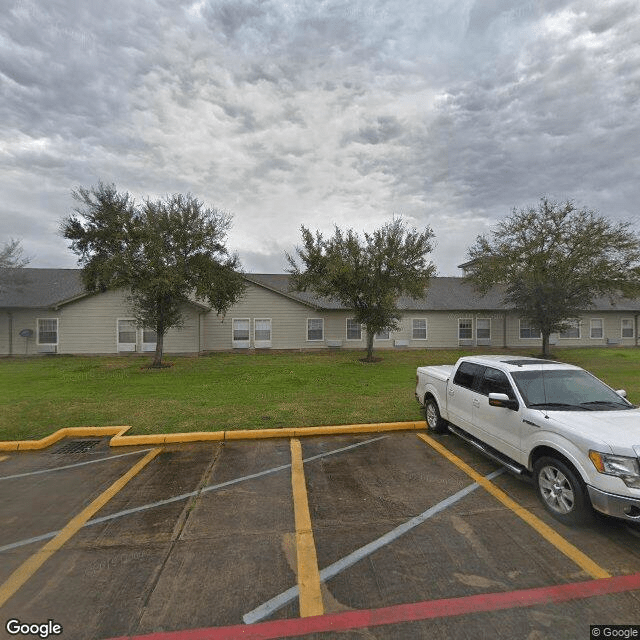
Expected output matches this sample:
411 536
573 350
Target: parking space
212 536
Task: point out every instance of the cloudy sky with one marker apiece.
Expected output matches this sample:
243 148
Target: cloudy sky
449 113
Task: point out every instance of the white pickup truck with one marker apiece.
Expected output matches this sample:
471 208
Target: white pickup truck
578 439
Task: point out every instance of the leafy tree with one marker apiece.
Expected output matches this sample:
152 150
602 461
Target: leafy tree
366 276
554 261
164 252
12 262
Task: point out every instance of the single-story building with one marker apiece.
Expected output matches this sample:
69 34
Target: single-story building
53 313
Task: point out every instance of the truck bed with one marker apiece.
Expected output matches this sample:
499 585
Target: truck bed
440 372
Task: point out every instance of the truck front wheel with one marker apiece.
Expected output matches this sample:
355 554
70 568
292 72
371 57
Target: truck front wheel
562 491
432 415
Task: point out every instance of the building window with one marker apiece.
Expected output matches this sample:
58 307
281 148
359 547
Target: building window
127 334
149 336
262 332
626 330
419 329
315 329
527 332
572 330
382 335
48 331
240 338
596 330
354 330
149 339
465 329
483 328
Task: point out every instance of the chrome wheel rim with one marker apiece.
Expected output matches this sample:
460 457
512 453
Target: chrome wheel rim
556 489
432 416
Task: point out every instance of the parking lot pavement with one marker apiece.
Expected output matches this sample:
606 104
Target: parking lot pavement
213 536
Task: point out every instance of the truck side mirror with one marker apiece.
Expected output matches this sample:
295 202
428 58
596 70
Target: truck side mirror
502 400
621 392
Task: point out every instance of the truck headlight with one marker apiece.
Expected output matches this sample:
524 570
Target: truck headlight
620 466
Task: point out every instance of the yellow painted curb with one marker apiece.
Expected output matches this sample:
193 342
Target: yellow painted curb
256 434
120 440
196 436
66 432
129 441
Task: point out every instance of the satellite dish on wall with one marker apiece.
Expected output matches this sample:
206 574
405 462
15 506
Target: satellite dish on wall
26 333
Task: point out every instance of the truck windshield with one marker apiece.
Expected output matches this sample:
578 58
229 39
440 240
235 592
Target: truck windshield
567 390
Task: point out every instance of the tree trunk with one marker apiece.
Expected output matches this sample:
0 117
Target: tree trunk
545 344
157 358
369 345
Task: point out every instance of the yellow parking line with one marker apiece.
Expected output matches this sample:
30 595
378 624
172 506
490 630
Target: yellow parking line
308 572
583 561
32 564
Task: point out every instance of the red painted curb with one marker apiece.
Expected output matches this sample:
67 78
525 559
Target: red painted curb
404 612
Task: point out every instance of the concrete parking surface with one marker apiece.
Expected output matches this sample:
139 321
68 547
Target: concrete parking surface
352 536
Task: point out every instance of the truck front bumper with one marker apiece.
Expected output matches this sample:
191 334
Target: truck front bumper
615 505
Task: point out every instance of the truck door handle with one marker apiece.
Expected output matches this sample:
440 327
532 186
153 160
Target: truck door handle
451 392
476 403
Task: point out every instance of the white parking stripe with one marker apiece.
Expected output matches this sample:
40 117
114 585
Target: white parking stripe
185 496
70 466
279 601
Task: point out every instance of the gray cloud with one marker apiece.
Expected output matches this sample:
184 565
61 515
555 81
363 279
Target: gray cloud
448 113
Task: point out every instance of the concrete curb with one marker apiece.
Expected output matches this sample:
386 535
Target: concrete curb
66 432
120 440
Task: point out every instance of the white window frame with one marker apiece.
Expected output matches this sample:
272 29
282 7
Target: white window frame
413 328
529 328
240 344
378 336
470 321
321 339
633 328
591 328
347 330
477 330
118 343
578 325
262 344
48 344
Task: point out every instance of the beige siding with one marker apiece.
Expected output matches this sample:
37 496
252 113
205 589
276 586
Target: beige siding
4 332
288 321
24 319
442 330
89 325
611 324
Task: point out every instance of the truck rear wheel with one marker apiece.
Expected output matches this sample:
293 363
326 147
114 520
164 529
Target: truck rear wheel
432 415
562 491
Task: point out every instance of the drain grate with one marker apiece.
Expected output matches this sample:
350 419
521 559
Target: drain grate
78 446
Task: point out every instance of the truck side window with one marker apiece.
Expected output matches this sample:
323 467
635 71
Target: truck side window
495 381
468 375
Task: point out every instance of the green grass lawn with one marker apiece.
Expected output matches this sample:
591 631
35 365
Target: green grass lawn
240 390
